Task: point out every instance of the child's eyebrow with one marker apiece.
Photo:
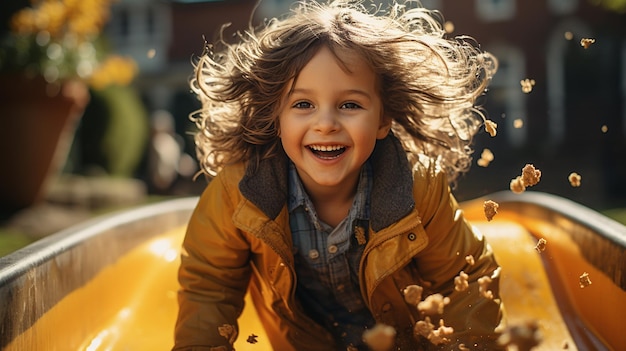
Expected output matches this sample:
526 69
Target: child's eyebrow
304 91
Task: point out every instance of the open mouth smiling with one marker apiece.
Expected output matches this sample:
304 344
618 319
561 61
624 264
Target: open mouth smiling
327 152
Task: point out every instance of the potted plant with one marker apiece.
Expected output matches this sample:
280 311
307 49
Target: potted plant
52 54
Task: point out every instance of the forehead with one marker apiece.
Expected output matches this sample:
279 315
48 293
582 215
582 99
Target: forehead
348 60
338 67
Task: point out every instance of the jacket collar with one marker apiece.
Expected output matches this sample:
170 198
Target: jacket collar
392 188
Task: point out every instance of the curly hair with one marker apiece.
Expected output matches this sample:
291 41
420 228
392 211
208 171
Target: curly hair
429 84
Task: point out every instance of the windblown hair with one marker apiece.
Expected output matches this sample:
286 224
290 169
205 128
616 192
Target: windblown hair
429 84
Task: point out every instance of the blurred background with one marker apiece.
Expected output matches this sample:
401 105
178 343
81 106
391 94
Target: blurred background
95 101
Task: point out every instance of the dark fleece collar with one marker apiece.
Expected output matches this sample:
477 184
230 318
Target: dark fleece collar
392 188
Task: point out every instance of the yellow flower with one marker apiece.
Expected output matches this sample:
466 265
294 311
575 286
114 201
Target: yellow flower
116 70
56 38
83 18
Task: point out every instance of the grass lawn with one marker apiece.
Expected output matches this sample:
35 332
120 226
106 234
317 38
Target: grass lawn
618 214
11 240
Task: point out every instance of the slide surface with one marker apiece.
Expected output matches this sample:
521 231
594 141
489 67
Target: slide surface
130 303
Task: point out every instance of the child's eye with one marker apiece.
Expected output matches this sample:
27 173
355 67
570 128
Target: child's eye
350 105
302 104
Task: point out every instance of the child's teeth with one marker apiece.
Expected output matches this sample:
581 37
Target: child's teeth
325 148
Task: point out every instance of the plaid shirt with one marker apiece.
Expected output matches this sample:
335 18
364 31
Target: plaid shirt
327 261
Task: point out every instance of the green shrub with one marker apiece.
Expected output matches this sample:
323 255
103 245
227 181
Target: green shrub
114 131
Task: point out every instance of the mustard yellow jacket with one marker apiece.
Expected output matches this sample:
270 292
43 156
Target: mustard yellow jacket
238 239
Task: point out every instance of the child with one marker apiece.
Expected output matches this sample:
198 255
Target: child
332 135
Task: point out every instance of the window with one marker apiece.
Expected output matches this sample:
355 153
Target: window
506 101
432 4
562 7
495 10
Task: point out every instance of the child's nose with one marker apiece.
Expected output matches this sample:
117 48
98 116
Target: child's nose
326 121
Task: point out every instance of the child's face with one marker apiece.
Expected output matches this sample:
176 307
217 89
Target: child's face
331 120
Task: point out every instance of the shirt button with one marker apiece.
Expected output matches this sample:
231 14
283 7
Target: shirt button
386 307
332 249
412 236
313 254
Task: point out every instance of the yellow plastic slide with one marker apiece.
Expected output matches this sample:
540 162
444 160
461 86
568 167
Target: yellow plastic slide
110 284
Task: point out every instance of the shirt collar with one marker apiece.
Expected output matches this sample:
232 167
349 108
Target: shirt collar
360 207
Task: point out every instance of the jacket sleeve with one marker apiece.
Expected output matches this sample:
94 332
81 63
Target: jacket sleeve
474 317
213 274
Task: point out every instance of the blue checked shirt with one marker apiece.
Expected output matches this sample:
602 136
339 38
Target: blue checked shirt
327 261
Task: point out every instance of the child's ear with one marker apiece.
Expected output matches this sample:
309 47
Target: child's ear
383 128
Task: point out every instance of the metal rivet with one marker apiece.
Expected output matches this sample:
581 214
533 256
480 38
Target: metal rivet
313 254
386 307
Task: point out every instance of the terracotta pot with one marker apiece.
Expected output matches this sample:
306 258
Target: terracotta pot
37 125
